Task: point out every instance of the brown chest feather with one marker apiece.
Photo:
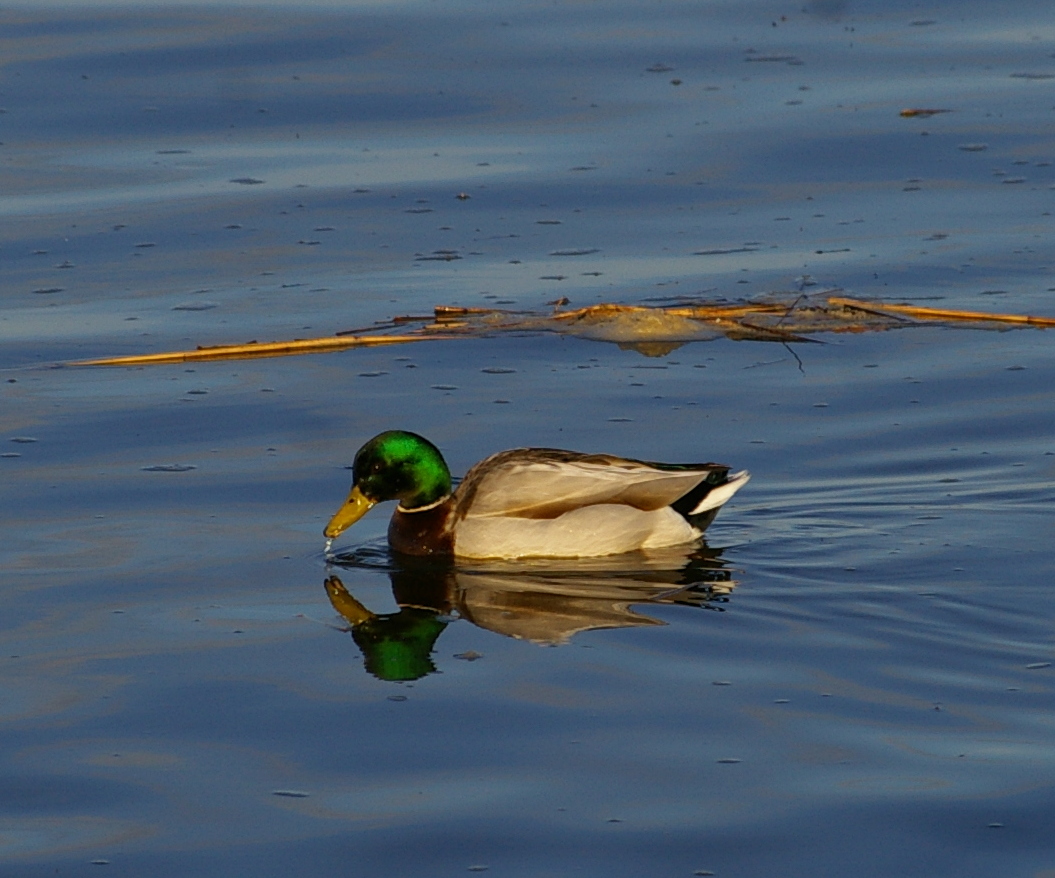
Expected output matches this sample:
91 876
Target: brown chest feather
422 533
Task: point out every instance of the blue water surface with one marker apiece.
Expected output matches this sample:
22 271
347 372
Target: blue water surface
854 674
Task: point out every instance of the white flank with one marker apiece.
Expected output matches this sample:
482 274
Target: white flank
601 529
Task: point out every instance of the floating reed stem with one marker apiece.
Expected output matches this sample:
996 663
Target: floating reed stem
451 322
254 350
939 313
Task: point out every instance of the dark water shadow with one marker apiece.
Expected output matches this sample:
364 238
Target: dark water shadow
540 600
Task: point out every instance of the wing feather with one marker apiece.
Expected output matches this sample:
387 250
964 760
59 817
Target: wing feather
545 483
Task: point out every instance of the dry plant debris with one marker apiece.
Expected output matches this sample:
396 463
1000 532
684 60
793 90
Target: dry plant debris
915 112
652 331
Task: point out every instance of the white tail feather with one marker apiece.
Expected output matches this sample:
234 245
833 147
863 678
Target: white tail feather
718 496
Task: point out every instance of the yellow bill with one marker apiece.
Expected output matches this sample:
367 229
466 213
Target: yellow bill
345 604
354 508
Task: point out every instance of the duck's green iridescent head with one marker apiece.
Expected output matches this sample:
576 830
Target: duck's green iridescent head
401 466
394 465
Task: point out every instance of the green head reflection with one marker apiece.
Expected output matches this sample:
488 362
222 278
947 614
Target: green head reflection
396 647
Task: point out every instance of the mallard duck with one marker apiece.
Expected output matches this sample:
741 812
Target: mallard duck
531 502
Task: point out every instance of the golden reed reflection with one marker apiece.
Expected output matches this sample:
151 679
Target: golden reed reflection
545 602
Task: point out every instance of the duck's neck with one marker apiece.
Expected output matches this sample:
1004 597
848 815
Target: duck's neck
422 532
404 507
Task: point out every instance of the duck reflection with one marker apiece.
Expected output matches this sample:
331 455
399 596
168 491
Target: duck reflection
545 602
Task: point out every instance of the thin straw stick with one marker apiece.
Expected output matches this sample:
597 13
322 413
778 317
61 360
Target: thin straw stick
696 312
706 312
941 313
252 351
